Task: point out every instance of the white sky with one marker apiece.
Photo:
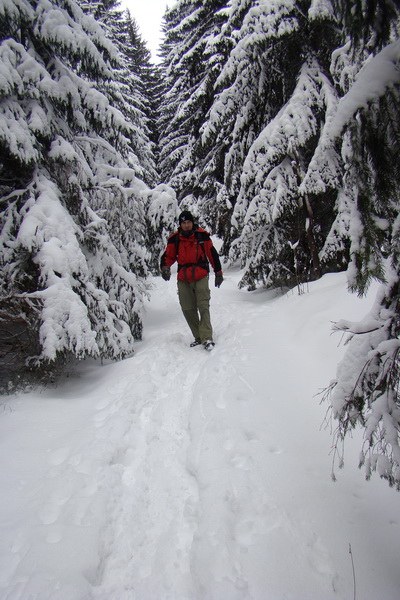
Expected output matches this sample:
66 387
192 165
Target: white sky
148 15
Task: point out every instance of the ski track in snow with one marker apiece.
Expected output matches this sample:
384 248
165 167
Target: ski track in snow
180 479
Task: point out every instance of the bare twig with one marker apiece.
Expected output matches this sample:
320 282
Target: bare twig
354 573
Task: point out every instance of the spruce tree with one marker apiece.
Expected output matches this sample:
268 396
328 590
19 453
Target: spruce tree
66 289
190 65
128 89
148 76
366 391
280 229
161 215
274 93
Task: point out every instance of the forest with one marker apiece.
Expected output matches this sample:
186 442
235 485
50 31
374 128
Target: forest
276 122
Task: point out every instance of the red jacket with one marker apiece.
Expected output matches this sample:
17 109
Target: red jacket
194 254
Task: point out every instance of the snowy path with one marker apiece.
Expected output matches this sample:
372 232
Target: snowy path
185 475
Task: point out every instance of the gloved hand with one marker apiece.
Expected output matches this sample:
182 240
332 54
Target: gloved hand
166 273
218 279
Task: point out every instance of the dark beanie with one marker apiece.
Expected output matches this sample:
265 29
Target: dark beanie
186 216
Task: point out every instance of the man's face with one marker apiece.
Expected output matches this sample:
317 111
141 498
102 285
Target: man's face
186 226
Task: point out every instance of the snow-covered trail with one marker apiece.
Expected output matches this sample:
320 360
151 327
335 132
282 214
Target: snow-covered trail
180 474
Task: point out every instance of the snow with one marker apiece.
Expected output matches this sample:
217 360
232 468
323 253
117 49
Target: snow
321 9
181 474
380 73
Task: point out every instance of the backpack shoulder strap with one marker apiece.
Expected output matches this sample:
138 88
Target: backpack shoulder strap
174 239
201 236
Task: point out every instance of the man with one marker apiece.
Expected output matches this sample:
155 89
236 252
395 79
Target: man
192 247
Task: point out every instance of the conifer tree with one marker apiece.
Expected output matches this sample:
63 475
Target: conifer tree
148 77
274 93
366 391
145 79
161 216
66 289
129 88
190 65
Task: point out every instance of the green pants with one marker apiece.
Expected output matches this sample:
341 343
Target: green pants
194 298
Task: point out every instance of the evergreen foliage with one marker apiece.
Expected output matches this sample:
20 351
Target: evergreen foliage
191 62
149 81
276 94
366 391
369 23
130 89
67 290
291 156
276 121
160 221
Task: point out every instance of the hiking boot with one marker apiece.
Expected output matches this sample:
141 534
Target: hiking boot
195 343
208 345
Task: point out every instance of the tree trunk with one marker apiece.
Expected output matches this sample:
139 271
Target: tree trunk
310 237
309 216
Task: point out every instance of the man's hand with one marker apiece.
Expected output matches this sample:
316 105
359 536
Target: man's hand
166 273
218 279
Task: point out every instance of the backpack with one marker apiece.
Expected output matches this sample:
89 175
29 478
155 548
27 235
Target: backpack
200 238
